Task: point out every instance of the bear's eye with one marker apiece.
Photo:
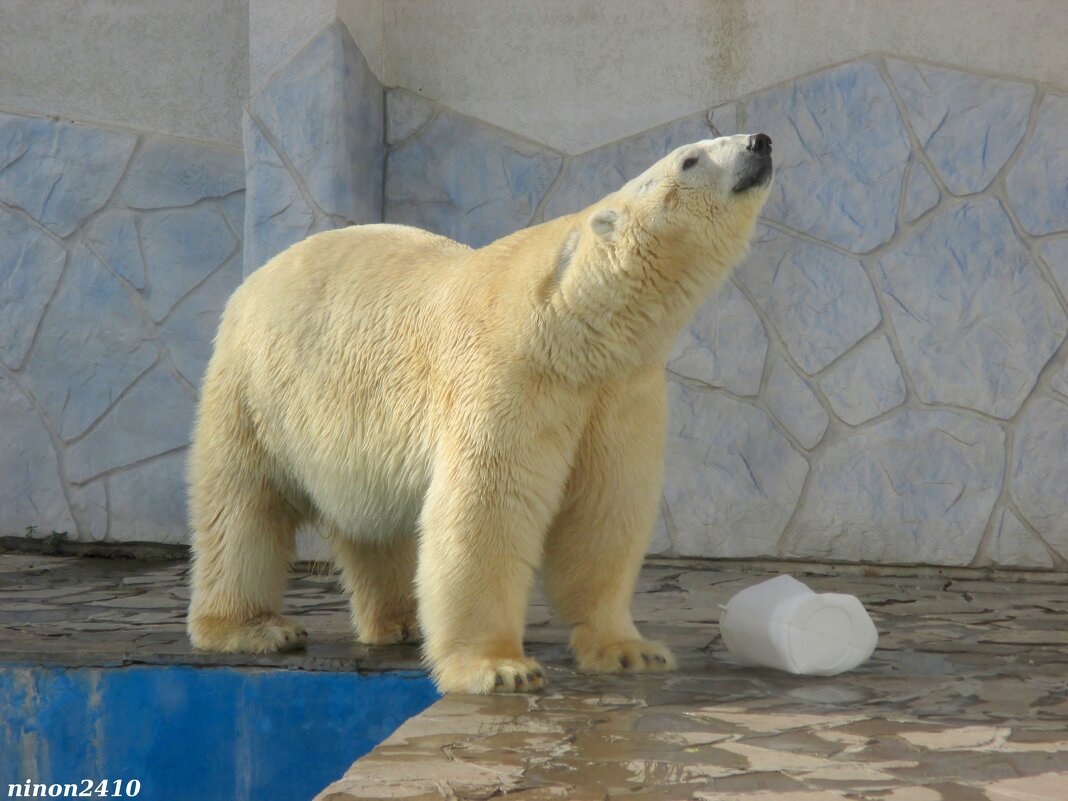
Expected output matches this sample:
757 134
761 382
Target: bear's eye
690 162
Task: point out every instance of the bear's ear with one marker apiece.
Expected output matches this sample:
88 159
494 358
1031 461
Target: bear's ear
604 223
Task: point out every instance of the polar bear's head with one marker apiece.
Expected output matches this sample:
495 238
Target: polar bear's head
637 264
706 195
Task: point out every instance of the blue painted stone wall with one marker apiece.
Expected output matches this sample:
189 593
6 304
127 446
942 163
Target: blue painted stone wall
202 734
883 379
117 253
313 147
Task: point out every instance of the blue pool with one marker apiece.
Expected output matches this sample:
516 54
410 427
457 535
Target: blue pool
210 734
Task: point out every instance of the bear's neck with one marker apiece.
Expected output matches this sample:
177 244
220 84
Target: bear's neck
616 313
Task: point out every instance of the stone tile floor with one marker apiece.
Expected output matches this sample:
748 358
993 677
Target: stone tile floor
966 698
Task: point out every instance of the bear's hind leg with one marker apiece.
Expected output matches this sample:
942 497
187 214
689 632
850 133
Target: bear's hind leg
596 545
240 563
379 578
243 541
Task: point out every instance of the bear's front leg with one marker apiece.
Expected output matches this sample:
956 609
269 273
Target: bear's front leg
597 542
481 539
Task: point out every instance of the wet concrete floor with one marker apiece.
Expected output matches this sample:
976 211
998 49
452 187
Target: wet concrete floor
965 699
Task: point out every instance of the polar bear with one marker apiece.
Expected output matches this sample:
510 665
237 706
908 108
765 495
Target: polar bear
456 419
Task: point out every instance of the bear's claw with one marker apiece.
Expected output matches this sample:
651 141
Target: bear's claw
391 633
484 676
628 656
519 679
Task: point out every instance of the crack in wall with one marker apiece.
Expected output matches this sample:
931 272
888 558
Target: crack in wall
73 492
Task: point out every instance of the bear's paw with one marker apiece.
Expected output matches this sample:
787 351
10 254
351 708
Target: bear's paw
481 676
626 656
261 635
402 629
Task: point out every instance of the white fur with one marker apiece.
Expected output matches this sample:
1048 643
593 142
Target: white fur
456 419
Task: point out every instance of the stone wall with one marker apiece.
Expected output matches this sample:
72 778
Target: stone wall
117 253
883 380
313 147
577 74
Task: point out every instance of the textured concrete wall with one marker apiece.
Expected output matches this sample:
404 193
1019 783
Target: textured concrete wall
576 75
884 379
117 253
279 29
177 67
313 146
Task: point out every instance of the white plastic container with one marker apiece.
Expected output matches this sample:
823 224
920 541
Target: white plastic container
782 624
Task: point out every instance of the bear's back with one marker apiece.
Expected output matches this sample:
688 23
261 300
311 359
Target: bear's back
332 281
359 253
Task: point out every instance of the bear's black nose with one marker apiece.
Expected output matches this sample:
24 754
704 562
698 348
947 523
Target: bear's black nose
760 144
